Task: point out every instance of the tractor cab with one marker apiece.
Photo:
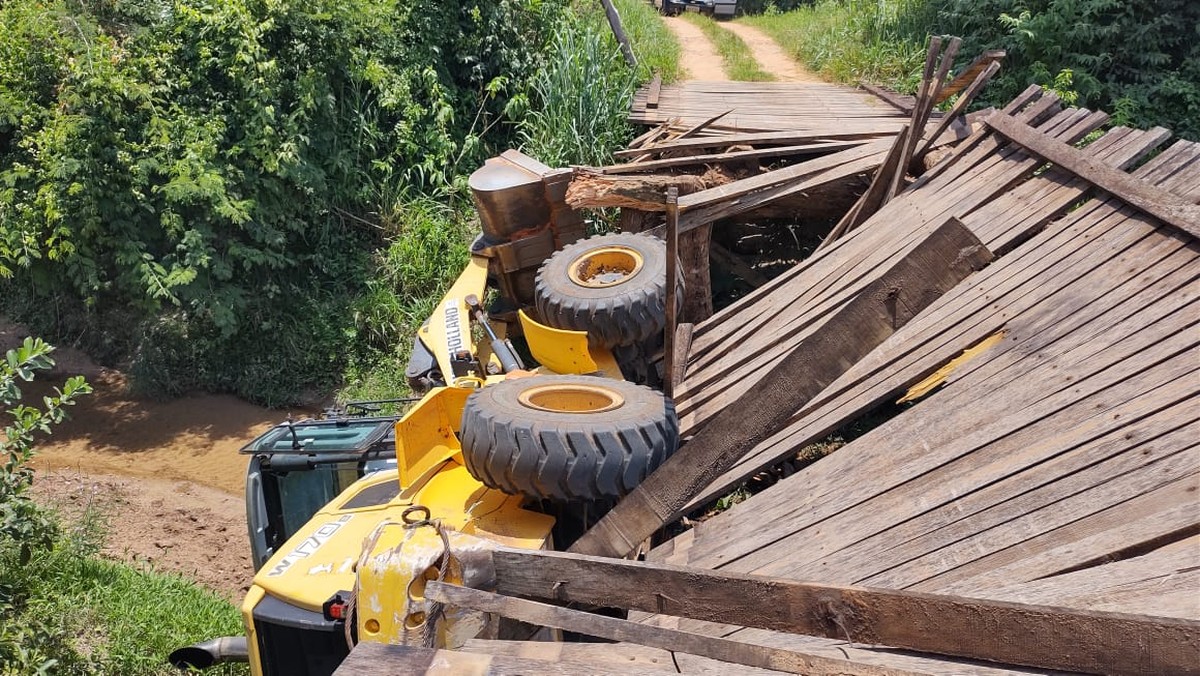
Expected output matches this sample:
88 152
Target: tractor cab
298 467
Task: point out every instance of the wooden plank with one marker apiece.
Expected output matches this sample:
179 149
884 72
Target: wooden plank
1157 202
875 195
1167 513
779 138
1100 404
683 343
947 257
998 631
923 109
614 629
672 299
382 659
898 101
582 654
1109 586
654 91
818 148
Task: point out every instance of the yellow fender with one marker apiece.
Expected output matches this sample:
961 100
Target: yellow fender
566 352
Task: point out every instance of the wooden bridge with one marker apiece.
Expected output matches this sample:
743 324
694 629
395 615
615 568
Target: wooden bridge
1034 504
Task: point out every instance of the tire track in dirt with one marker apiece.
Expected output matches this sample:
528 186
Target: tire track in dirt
699 57
769 55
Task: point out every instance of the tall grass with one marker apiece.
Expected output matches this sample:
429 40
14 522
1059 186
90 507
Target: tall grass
654 45
854 41
738 62
580 99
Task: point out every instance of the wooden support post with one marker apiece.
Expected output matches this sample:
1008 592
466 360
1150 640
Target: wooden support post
545 615
683 345
672 318
1163 205
998 631
614 22
935 266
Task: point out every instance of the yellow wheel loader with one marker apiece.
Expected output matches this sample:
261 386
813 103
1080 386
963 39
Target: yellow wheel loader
523 432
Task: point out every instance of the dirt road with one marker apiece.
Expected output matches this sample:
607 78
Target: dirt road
769 55
699 58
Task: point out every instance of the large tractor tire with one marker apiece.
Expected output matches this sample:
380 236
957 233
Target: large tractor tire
567 438
612 286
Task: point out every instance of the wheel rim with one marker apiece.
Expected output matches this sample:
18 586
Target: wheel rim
609 266
574 398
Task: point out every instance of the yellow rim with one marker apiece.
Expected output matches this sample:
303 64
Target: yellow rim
609 266
571 399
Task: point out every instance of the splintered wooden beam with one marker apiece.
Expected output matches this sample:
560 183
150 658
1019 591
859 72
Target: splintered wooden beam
960 105
613 629
1163 205
943 259
997 631
985 60
589 189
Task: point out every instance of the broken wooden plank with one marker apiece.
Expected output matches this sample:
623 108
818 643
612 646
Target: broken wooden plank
1037 636
654 92
672 308
817 148
786 138
959 106
613 629
875 195
896 100
948 255
984 61
1151 199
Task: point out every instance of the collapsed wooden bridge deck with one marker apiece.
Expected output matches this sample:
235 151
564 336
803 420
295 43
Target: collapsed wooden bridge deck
1045 451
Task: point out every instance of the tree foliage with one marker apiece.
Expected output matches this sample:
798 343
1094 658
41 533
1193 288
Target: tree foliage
215 172
1137 59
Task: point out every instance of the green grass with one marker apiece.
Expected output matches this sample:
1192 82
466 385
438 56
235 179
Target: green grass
427 247
739 63
93 616
850 41
654 45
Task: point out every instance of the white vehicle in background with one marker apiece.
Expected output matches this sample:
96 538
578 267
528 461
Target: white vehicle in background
713 8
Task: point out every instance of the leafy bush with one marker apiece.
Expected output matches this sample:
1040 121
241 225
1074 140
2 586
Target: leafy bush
28 642
1139 59
217 171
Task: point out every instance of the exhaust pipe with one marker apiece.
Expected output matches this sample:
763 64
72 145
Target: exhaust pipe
211 652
